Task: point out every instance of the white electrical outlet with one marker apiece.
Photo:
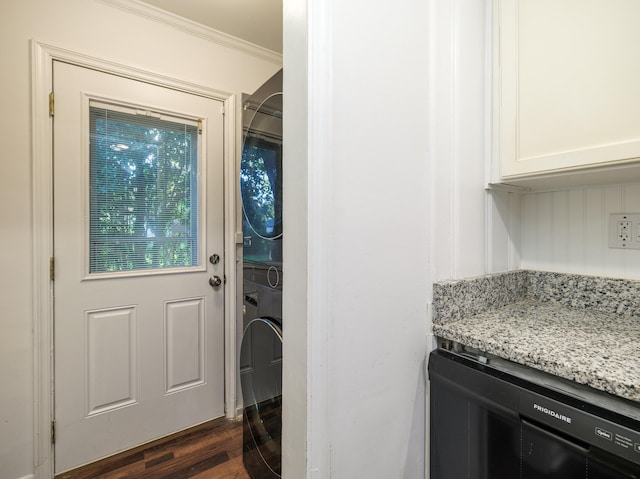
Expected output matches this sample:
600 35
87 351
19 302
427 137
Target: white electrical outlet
624 230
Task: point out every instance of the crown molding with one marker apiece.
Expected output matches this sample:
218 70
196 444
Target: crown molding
142 9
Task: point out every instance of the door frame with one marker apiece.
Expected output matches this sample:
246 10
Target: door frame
42 57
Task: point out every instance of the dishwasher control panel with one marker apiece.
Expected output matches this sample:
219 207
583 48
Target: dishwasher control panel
586 427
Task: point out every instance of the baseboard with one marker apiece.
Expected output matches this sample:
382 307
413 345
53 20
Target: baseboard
28 476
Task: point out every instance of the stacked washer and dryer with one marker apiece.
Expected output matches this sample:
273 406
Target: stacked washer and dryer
261 350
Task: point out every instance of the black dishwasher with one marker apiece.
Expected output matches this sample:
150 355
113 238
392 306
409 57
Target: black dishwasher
492 419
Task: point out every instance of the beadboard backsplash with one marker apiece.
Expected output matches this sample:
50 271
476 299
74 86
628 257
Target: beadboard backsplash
568 231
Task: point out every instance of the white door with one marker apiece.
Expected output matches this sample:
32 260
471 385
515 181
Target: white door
138 211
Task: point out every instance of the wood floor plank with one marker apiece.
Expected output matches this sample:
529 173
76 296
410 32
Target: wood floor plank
209 451
233 469
158 460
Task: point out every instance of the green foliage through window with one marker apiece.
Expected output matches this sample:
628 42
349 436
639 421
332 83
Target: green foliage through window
144 192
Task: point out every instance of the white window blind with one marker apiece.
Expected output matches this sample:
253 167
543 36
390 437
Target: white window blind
143 199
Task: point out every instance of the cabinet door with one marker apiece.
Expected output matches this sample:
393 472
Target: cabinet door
568 73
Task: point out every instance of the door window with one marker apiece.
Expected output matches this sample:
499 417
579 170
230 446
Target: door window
143 190
261 185
261 182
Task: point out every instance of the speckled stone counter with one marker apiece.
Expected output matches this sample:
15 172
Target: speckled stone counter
585 329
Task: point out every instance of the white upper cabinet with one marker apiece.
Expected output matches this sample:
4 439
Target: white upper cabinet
567 88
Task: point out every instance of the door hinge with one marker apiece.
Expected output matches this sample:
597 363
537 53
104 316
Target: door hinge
53 431
51 104
200 126
52 268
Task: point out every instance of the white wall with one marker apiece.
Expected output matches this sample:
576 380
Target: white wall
298 457
377 204
362 334
390 132
94 28
567 230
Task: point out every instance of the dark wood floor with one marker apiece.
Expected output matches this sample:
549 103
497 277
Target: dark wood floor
209 451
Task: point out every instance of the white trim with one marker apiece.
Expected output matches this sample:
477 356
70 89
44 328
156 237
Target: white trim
457 116
157 14
230 258
496 92
42 247
432 153
43 56
319 154
488 137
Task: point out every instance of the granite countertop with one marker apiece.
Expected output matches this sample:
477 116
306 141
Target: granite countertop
584 329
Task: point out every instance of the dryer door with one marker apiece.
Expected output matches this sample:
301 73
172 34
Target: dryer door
261 180
261 381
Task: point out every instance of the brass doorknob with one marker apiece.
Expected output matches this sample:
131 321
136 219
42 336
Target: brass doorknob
215 281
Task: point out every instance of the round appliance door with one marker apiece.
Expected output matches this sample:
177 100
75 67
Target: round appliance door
261 170
261 382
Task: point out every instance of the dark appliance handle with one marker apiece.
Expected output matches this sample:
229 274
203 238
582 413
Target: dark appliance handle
614 463
544 431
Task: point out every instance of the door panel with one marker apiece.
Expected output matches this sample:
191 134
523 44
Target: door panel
138 352
111 376
185 343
